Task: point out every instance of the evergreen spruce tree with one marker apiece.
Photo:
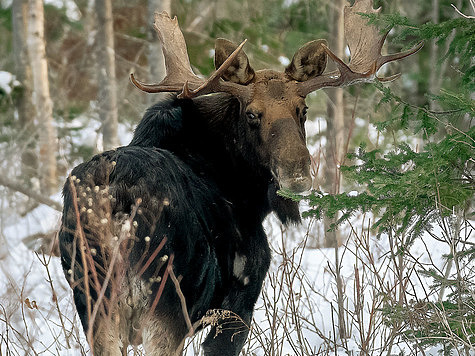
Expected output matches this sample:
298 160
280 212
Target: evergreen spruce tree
411 192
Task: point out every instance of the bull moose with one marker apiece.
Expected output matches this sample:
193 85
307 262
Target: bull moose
158 233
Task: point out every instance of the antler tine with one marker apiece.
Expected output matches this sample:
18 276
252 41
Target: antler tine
180 76
394 57
177 63
365 43
154 88
214 84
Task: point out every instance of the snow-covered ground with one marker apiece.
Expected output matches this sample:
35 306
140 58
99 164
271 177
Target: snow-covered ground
301 282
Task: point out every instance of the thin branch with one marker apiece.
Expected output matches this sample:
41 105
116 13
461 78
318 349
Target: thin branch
45 262
162 285
472 2
79 232
17 186
184 309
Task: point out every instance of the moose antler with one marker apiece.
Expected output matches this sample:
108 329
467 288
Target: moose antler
180 76
365 43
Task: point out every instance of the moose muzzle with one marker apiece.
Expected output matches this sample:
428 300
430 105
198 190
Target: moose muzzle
295 176
291 159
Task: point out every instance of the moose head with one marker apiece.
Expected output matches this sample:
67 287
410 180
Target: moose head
274 102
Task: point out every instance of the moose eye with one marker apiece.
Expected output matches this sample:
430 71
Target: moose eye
253 119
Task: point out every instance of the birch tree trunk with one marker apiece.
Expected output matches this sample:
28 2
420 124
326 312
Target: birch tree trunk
106 76
47 138
24 104
335 153
156 62
335 133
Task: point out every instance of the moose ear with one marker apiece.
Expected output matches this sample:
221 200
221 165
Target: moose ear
239 71
309 61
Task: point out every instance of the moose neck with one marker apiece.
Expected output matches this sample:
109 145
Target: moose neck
208 133
222 150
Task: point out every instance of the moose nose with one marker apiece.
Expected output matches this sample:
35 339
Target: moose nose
295 176
298 183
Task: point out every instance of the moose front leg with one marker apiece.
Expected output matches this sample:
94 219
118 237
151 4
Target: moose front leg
234 318
233 322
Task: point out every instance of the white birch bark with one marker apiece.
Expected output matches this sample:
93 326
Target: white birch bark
24 104
106 76
47 137
335 153
336 132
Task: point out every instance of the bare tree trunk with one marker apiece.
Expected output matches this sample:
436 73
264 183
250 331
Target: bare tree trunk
30 193
433 58
335 133
41 96
24 105
156 62
438 69
106 74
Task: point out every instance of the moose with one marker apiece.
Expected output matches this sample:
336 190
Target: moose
157 234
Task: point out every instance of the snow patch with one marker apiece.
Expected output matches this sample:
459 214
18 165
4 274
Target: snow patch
72 11
315 127
373 134
8 82
359 122
284 60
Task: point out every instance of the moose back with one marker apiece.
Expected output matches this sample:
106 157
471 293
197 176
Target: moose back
164 236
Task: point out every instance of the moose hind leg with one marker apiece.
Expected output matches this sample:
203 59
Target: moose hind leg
163 336
106 338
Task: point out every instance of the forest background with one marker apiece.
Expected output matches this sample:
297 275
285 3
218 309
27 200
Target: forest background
383 263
